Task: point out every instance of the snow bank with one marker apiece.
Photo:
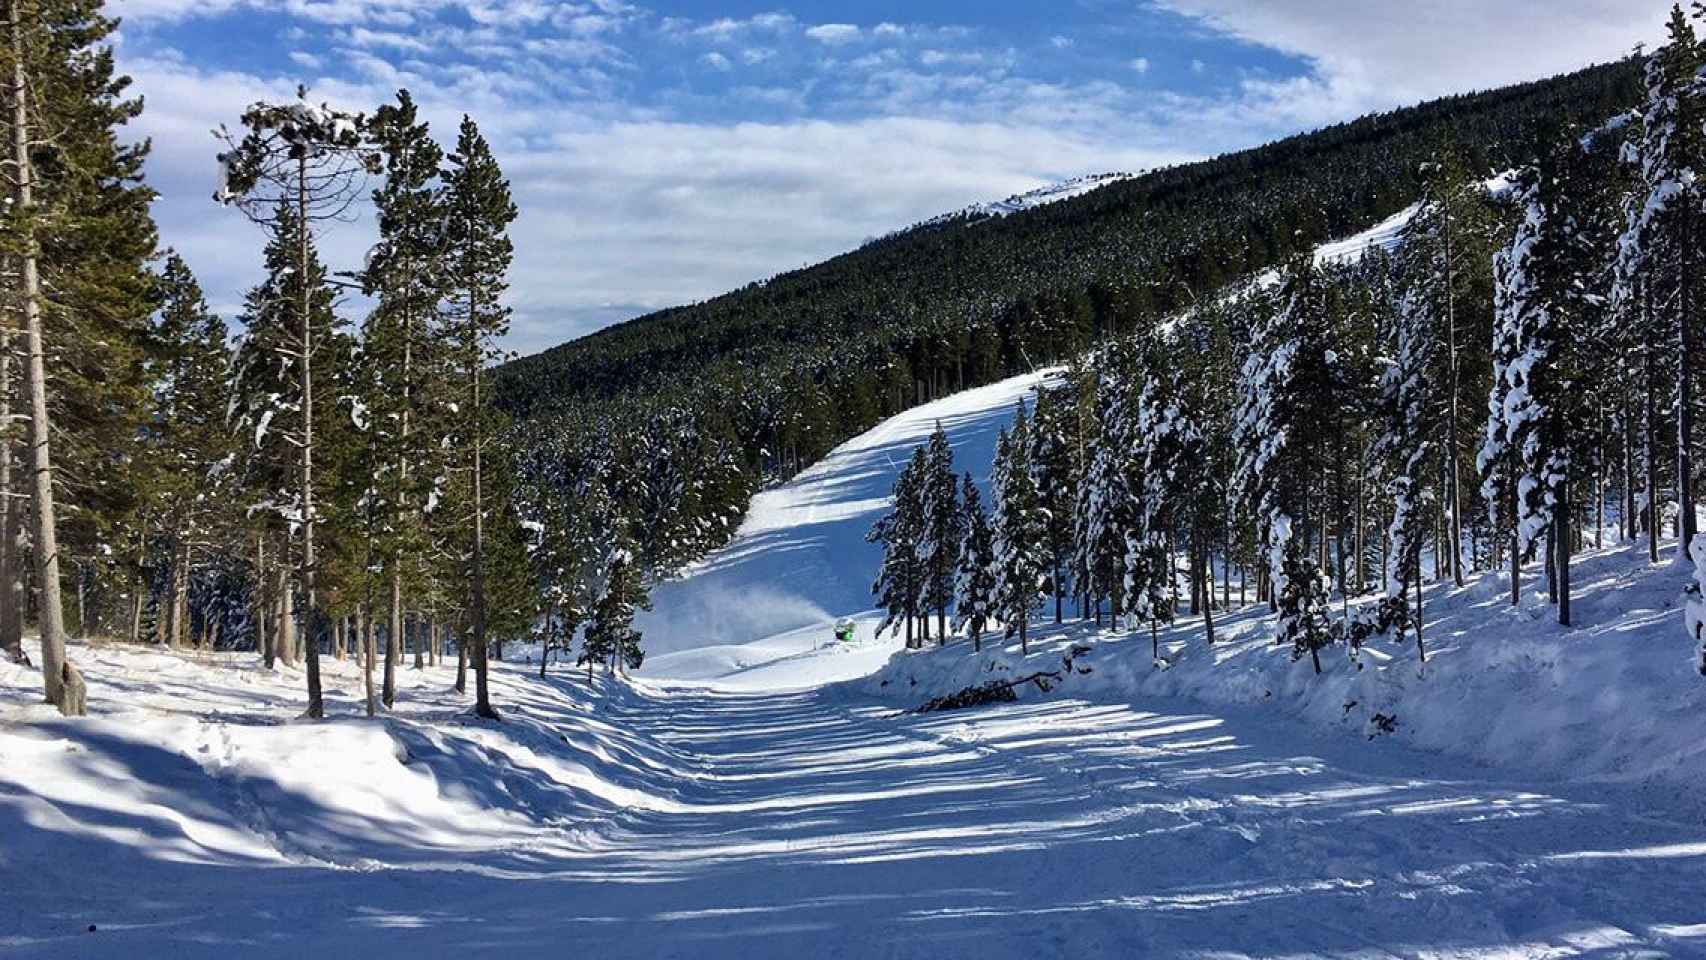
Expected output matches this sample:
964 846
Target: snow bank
1616 698
199 758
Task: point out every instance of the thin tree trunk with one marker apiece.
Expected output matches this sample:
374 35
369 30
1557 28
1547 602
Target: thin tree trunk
393 641
1421 649
482 693
365 628
1454 470
311 612
11 589
1686 522
1653 512
284 635
1628 525
1561 540
63 685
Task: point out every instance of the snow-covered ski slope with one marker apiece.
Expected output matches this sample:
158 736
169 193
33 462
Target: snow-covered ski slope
760 611
757 612
191 817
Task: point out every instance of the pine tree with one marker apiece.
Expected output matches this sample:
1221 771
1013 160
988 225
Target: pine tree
406 272
610 635
943 531
78 233
1548 281
479 212
1106 511
1054 470
1288 388
1021 549
189 464
974 580
898 586
297 165
1658 267
1440 252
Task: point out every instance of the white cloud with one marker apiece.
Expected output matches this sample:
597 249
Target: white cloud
1059 42
1378 54
1141 64
833 34
886 29
716 61
305 59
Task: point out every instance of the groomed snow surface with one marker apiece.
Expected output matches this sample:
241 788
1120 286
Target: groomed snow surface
1537 795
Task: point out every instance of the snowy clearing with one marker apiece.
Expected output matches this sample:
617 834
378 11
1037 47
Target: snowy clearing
190 818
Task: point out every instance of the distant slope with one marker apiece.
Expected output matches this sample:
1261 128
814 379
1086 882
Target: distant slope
759 612
1197 225
800 559
705 405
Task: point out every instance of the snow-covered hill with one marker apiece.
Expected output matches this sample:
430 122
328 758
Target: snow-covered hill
1031 199
800 560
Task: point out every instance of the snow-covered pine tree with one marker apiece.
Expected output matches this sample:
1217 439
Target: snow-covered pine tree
1159 435
1441 251
1054 471
974 581
898 583
610 635
1286 392
944 529
1543 287
275 409
1107 506
1659 253
1022 557
1413 403
569 517
478 211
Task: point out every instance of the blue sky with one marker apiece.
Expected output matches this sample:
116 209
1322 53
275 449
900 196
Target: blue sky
666 152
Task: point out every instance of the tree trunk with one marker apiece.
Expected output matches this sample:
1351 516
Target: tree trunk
62 684
1686 524
311 612
1421 650
136 613
284 635
365 629
1561 541
482 693
461 684
1628 524
393 642
11 587
1454 472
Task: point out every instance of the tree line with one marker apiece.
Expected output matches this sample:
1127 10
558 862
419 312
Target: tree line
1513 382
313 486
707 403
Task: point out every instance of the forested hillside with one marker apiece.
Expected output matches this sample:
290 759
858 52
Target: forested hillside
702 404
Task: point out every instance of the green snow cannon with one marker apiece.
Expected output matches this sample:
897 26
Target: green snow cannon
844 631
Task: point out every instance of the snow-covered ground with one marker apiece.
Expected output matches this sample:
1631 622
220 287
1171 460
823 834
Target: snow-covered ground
192 817
762 792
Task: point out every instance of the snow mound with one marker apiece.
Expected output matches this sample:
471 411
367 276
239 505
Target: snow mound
1615 698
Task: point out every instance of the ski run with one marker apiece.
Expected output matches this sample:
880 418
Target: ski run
1212 593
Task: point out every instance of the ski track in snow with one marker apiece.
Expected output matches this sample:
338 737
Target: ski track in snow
737 801
692 821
